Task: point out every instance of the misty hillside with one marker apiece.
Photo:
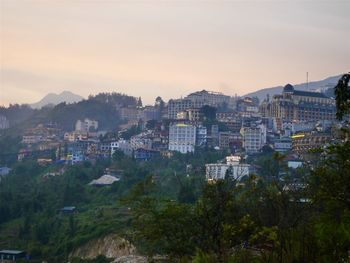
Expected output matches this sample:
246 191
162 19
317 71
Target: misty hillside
54 99
320 85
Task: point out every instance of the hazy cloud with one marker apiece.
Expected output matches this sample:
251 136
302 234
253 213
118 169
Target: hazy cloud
167 48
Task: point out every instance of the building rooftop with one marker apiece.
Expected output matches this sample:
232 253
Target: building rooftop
10 251
68 208
182 125
104 180
202 92
288 88
310 94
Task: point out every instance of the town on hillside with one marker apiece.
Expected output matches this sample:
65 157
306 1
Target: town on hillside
291 123
109 178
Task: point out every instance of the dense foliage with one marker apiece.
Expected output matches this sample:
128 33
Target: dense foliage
16 113
66 115
102 107
260 220
115 99
342 95
30 201
9 147
165 207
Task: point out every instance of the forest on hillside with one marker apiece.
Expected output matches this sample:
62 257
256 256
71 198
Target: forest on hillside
101 107
172 211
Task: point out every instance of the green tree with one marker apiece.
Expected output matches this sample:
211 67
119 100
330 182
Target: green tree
72 225
139 103
330 190
216 214
209 112
330 184
342 96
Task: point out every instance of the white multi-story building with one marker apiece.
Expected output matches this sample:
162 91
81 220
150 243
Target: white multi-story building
182 137
232 168
254 138
216 171
86 125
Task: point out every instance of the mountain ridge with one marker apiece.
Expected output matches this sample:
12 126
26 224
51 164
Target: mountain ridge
54 99
318 85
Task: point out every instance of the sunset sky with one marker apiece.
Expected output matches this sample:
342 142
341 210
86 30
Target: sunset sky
167 48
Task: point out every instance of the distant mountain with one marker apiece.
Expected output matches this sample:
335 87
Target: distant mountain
321 86
53 99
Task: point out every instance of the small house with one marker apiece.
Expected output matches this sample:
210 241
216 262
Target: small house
68 210
11 255
104 180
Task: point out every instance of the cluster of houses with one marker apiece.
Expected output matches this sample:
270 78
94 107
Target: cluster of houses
293 123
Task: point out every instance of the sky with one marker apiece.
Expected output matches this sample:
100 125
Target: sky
167 48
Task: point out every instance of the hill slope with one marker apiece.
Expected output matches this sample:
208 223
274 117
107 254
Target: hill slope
54 99
320 85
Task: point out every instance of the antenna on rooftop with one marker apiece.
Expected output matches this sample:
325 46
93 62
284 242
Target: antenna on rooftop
307 80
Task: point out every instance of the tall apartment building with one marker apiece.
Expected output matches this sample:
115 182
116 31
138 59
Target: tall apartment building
196 100
86 125
297 105
182 137
176 106
254 138
204 97
304 142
